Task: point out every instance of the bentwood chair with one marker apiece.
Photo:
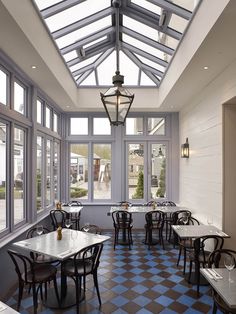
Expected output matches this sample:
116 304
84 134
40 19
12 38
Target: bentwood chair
75 217
33 274
84 263
216 260
152 203
58 218
154 221
122 222
174 218
92 229
185 245
168 219
200 255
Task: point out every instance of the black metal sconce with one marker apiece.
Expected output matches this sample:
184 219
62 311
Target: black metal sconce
185 149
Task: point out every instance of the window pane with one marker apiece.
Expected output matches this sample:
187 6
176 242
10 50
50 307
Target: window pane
135 171
79 126
48 174
19 98
39 111
156 126
19 175
3 160
48 118
134 126
56 171
101 126
39 172
79 171
102 171
3 88
55 122
158 171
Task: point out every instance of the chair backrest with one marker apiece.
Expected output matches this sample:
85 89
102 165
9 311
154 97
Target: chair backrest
151 203
168 203
32 232
217 257
178 214
122 218
200 243
155 218
23 265
89 257
58 218
92 229
125 203
190 221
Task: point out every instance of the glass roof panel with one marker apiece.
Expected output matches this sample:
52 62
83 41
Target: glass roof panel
90 80
148 6
145 80
149 32
178 23
83 32
150 63
70 55
137 43
107 69
187 4
43 4
129 70
76 13
83 63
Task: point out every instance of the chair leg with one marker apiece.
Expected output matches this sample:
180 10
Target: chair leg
35 298
95 279
180 252
190 271
77 292
20 294
56 290
214 310
185 259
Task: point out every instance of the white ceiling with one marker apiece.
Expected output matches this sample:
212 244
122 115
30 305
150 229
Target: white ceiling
210 40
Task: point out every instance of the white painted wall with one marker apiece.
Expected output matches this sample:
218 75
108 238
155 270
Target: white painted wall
201 121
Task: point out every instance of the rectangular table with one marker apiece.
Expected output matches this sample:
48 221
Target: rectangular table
72 241
226 289
145 209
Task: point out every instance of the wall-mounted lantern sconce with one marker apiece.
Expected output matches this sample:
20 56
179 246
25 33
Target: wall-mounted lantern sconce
185 149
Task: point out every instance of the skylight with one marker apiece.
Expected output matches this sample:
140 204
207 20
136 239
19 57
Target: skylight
85 33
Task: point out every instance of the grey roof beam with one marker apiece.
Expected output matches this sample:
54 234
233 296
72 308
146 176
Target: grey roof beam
83 70
151 20
144 54
82 23
83 77
59 7
88 39
170 6
90 52
140 65
147 40
152 70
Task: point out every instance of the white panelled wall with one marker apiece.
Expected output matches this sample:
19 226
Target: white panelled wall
201 183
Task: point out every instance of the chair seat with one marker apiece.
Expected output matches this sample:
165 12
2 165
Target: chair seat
43 273
69 267
41 258
155 225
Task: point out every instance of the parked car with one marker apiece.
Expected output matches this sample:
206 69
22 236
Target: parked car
154 180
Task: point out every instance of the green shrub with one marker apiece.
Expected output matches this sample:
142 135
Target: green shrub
139 189
77 192
2 193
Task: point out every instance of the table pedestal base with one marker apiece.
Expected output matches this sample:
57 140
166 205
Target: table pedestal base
68 301
193 279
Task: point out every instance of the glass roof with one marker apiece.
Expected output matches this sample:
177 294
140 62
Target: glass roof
89 39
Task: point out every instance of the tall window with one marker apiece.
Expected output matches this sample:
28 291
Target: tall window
3 169
102 171
48 117
3 87
39 172
56 171
19 98
135 171
19 175
79 126
79 171
39 111
55 122
48 172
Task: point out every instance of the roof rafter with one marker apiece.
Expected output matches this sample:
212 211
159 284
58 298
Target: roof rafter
59 7
82 23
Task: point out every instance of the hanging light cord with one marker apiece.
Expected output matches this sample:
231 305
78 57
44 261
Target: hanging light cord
117 37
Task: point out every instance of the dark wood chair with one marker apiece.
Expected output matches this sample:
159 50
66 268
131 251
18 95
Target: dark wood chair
84 263
168 219
154 221
33 274
75 217
58 218
200 255
122 222
173 221
216 260
185 245
152 203
92 229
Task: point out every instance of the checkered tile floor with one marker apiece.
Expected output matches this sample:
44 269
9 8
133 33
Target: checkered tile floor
136 281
